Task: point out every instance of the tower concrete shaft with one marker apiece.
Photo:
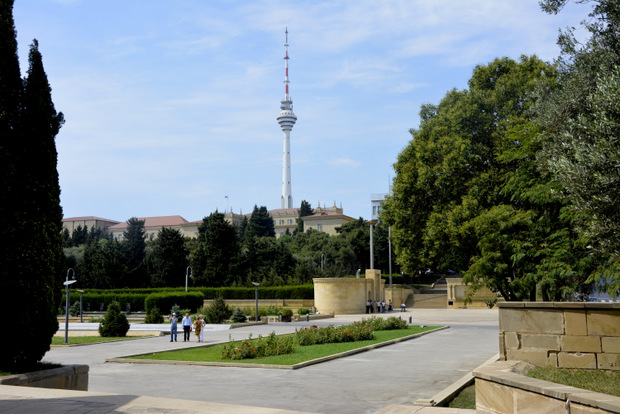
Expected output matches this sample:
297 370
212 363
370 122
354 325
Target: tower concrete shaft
286 118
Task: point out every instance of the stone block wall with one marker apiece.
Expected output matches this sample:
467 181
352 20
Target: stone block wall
561 334
68 377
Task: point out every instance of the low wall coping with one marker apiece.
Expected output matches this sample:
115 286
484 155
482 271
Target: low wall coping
561 305
510 373
28 378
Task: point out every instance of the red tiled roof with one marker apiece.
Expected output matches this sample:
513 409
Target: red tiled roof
162 221
88 218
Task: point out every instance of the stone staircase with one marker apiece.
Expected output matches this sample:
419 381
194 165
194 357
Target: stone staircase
435 297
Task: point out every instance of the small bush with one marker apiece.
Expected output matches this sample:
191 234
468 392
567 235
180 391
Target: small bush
380 324
238 316
154 316
74 310
332 334
258 348
176 309
303 311
114 323
218 311
286 312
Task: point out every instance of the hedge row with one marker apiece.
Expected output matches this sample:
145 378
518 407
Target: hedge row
95 300
272 292
98 302
165 301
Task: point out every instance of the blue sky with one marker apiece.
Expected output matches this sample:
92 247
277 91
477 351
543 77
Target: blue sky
171 106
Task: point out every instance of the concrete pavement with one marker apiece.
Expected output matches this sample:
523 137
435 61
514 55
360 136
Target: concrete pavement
397 375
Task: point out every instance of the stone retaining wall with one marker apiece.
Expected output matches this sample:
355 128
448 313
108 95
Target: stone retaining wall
68 377
561 334
501 388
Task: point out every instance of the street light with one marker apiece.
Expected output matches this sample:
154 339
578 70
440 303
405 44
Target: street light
188 273
256 285
68 284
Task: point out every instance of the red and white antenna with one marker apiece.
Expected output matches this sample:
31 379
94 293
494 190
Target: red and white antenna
286 80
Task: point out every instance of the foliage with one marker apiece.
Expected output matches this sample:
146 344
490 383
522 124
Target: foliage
218 311
581 118
214 258
114 323
189 300
154 316
381 324
134 249
258 348
305 209
303 311
286 312
238 316
168 264
74 310
260 224
176 309
31 257
332 334
468 194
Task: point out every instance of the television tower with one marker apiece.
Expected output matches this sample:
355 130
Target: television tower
286 118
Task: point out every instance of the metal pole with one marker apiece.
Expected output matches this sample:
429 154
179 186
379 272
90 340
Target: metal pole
390 253
256 296
67 289
372 253
81 313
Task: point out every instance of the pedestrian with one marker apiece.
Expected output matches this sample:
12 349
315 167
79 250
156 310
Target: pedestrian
382 306
202 329
402 307
187 327
198 326
368 306
173 327
390 307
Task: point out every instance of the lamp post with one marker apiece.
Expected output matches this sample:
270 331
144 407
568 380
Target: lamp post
68 284
256 285
188 273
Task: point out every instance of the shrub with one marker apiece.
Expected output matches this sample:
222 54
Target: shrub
286 312
303 311
176 309
154 316
218 311
238 316
114 323
258 348
380 324
74 310
332 334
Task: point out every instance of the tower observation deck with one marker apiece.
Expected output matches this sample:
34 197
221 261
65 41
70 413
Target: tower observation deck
286 118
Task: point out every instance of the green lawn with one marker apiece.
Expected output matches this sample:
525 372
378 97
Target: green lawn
593 380
75 340
299 355
466 398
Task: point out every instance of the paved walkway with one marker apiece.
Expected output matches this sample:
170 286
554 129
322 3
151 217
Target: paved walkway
363 383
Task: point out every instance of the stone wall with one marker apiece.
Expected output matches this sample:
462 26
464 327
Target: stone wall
68 377
458 291
264 303
501 388
561 334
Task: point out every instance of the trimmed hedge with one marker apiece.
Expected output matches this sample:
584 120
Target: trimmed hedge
165 301
271 292
100 299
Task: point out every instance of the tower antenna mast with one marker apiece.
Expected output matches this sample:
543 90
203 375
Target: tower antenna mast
286 118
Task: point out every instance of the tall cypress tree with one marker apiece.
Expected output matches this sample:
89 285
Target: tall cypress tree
31 263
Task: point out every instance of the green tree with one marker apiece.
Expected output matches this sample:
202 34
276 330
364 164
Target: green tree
468 195
260 224
114 322
581 118
103 265
214 260
32 261
169 259
305 209
134 247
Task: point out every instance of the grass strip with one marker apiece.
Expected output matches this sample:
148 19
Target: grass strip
300 354
593 380
79 340
465 399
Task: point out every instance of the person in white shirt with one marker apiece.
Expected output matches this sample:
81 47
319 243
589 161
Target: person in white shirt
187 327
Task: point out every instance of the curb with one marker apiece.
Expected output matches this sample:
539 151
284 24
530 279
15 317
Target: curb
129 360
